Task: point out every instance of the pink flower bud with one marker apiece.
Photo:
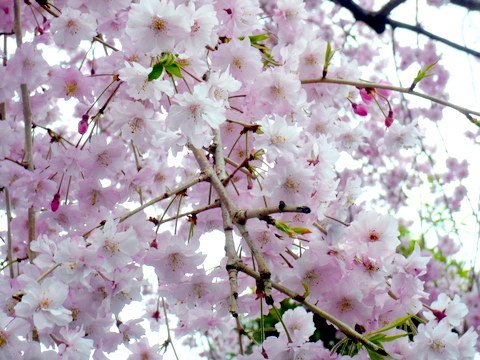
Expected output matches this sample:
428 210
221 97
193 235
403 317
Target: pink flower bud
360 109
54 205
389 119
83 125
385 92
366 97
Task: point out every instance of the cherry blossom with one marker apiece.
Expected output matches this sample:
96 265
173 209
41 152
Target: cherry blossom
211 164
155 26
72 27
44 302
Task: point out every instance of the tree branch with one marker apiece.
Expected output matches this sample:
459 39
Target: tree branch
362 84
473 5
420 30
27 119
389 6
378 20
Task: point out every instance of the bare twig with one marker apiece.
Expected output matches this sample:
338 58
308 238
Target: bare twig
363 84
9 232
243 215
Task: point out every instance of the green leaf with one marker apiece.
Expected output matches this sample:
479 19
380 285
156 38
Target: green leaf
300 230
422 74
256 38
307 291
156 72
374 356
400 321
283 227
328 58
377 337
174 70
394 337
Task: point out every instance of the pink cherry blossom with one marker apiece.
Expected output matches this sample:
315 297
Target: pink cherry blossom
243 60
298 323
72 27
156 26
195 111
141 350
44 302
435 341
136 76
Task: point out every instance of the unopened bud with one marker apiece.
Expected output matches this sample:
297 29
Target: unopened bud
55 204
389 119
360 109
83 125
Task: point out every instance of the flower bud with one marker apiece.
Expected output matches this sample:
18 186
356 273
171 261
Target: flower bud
389 119
83 125
54 205
360 109
366 96
385 92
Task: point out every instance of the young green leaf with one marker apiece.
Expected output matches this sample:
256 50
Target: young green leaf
300 230
328 58
374 356
174 70
156 72
422 74
283 227
400 321
256 38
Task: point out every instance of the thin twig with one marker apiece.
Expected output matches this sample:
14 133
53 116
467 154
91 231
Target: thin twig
363 84
9 232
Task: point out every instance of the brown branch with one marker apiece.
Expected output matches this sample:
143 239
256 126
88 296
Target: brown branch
378 21
473 5
389 6
243 215
419 30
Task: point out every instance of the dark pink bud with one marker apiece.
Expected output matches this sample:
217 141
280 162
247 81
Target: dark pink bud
389 119
360 109
439 314
366 97
55 202
83 125
40 30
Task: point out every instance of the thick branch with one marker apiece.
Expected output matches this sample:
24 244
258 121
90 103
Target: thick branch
378 20
419 30
232 209
27 119
389 6
468 4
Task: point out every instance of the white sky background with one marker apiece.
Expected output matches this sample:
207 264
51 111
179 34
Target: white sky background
455 24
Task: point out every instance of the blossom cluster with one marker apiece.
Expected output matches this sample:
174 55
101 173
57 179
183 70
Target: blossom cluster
189 117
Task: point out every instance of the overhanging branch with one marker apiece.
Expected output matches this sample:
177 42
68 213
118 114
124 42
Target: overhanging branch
378 20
